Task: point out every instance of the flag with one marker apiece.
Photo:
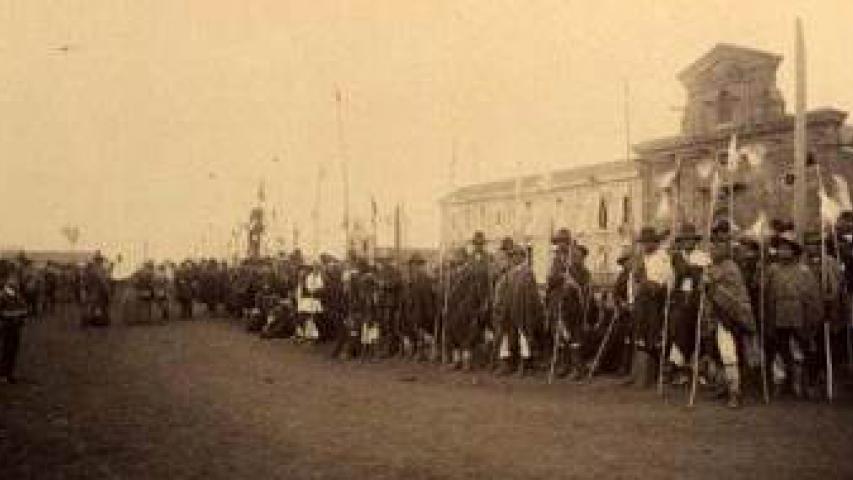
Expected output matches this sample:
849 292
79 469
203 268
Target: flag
733 154
759 229
829 208
704 168
663 180
842 193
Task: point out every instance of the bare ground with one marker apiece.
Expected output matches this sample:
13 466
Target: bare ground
202 399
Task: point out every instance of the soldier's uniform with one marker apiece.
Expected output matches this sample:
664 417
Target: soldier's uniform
161 291
793 309
13 312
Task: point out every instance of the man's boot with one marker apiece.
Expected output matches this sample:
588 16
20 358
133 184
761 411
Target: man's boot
636 372
576 359
797 380
733 383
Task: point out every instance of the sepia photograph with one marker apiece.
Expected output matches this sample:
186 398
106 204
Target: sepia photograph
426 239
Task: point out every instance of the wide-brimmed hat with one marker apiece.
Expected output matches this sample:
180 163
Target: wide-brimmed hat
648 235
479 238
519 252
507 245
562 237
582 250
688 232
788 237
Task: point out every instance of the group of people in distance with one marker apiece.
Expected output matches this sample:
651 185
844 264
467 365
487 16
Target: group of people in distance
764 317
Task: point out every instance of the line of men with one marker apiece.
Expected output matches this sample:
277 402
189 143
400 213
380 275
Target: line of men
482 310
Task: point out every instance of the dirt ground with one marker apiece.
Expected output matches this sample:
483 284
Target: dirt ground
202 399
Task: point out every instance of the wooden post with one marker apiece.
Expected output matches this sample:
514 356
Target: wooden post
800 214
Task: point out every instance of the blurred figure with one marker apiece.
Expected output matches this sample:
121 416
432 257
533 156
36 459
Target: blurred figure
13 312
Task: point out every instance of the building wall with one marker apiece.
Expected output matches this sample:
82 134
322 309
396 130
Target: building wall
592 209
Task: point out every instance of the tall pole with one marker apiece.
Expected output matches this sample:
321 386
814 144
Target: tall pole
800 135
342 151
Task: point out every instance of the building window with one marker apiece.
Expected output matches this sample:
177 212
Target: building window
602 214
626 210
725 107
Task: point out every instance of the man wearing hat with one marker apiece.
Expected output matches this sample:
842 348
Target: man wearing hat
793 309
652 276
623 295
388 296
499 303
687 264
566 296
13 312
522 312
418 310
469 305
728 315
820 257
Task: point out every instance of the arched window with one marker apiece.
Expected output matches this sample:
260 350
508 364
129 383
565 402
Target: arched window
626 210
602 213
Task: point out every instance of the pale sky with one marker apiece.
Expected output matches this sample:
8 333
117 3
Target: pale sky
120 133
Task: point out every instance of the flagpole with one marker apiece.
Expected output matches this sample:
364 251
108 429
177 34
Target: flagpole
342 151
823 290
800 134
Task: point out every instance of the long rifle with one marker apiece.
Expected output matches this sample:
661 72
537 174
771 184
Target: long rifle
663 335
762 319
824 283
603 344
556 327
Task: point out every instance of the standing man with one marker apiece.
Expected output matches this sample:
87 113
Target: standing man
419 309
523 313
652 273
566 297
388 293
794 308
728 316
469 305
13 312
687 264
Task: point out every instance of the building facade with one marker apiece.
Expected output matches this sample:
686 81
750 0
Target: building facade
732 91
595 202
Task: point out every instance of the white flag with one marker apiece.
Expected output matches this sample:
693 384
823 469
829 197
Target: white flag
758 230
733 154
829 209
842 192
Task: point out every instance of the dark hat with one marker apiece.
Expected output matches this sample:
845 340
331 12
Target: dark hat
787 237
648 235
479 238
688 232
582 250
417 259
507 244
562 237
519 252
721 231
